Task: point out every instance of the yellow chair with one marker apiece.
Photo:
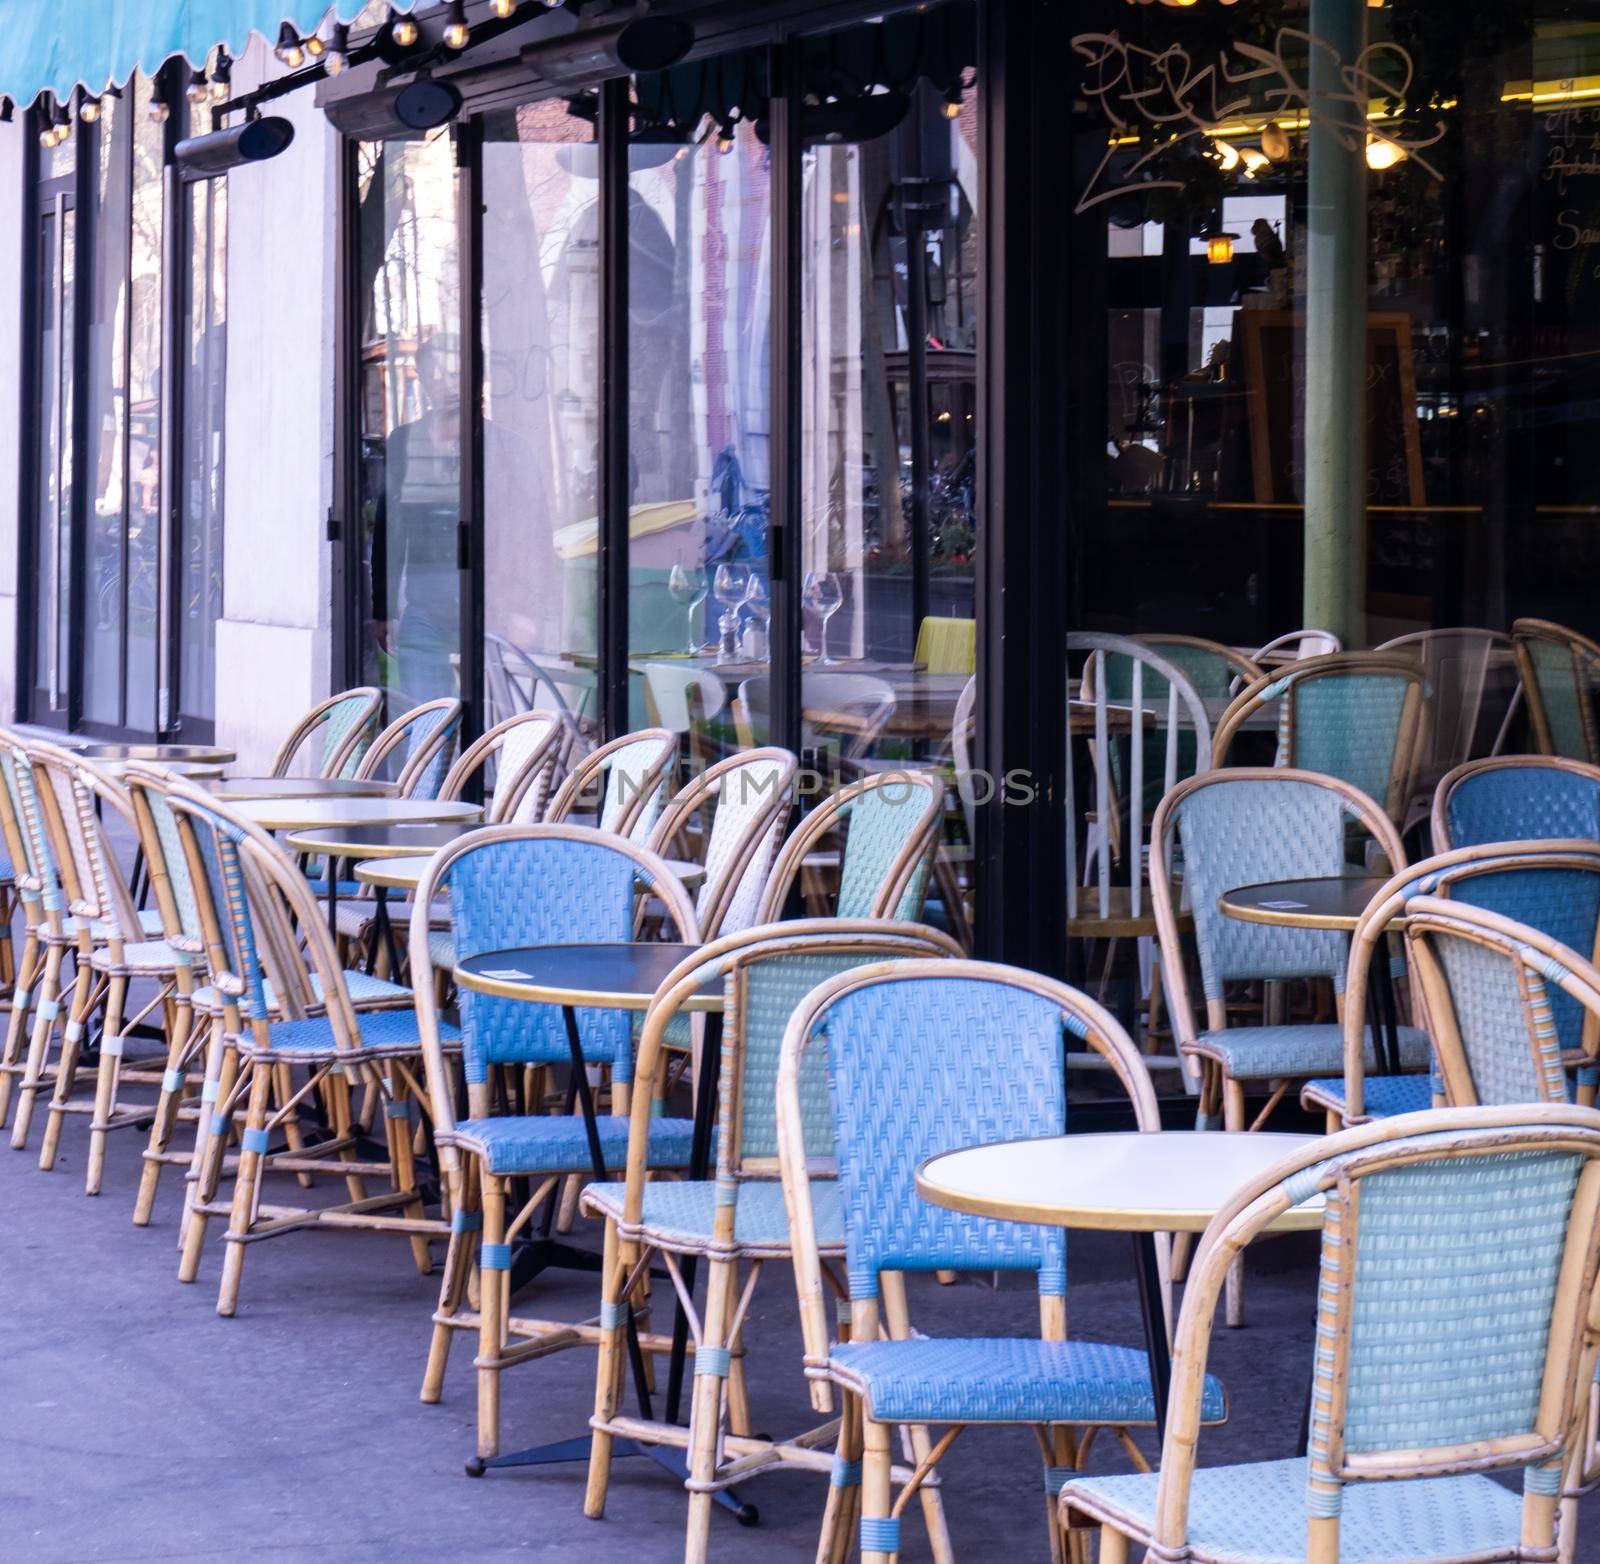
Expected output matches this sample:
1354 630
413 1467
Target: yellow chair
947 645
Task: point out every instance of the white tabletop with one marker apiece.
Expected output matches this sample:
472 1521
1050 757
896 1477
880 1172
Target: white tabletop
305 814
405 873
1168 1182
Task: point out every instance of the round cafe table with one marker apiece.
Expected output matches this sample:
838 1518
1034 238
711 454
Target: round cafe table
1169 1181
243 789
1332 903
615 976
158 754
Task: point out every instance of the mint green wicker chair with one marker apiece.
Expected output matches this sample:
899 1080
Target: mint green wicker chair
1459 1252
1559 668
891 822
634 773
344 723
737 1218
1351 715
922 1057
1549 889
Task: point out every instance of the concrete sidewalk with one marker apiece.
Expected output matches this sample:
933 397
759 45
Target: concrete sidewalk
137 1425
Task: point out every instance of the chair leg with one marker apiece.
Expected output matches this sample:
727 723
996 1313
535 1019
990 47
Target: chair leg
465 1221
1113 1547
108 1079
252 1154
1233 1119
293 1136
839 1515
492 1280
168 1106
403 1162
210 1152
17 1022
44 1025
608 1372
879 1532
84 999
705 1417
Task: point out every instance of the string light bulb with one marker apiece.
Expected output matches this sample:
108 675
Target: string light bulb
457 35
290 51
314 46
1383 154
338 55
159 112
504 9
402 29
89 110
222 77
725 138
199 89
951 107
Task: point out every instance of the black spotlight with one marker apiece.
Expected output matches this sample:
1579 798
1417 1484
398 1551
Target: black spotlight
420 105
256 140
425 104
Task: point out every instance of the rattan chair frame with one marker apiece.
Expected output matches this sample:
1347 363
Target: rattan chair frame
481 1201
1452 780
1282 684
334 764
656 776
1585 655
1334 1167
861 1438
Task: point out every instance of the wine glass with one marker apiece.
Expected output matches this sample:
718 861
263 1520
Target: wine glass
758 603
823 593
686 584
732 584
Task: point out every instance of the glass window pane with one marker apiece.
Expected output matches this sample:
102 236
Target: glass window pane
410 418
540 322
699 425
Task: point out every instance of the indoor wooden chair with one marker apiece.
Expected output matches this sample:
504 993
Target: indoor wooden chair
116 947
1244 827
1488 1355
631 774
199 1057
1558 668
891 822
734 1220
1515 798
510 886
344 723
1351 715
920 1057
262 927
1217 672
1554 887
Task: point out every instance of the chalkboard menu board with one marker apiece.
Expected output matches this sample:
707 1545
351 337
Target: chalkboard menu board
1273 344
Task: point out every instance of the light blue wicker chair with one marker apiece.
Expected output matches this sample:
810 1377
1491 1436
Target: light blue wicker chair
1458 1264
513 886
286 1007
923 1057
344 723
415 750
738 1217
891 823
1559 669
1351 715
1516 798
1551 887
1225 829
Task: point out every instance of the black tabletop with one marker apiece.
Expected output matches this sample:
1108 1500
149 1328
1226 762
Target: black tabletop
157 754
401 840
299 787
577 974
1334 902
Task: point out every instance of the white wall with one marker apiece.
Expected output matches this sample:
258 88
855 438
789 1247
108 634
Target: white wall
273 639
11 158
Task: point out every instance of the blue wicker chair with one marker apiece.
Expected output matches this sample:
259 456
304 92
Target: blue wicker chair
891 823
345 724
1244 827
1551 887
1433 1368
417 748
737 1217
284 1005
1516 798
984 1063
1351 715
1559 669
633 774
510 886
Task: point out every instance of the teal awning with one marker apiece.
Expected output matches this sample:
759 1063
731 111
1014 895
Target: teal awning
56 45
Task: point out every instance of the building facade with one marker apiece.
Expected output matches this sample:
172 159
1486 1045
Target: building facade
848 337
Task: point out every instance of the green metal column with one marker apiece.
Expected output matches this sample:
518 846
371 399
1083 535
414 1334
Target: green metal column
1336 336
